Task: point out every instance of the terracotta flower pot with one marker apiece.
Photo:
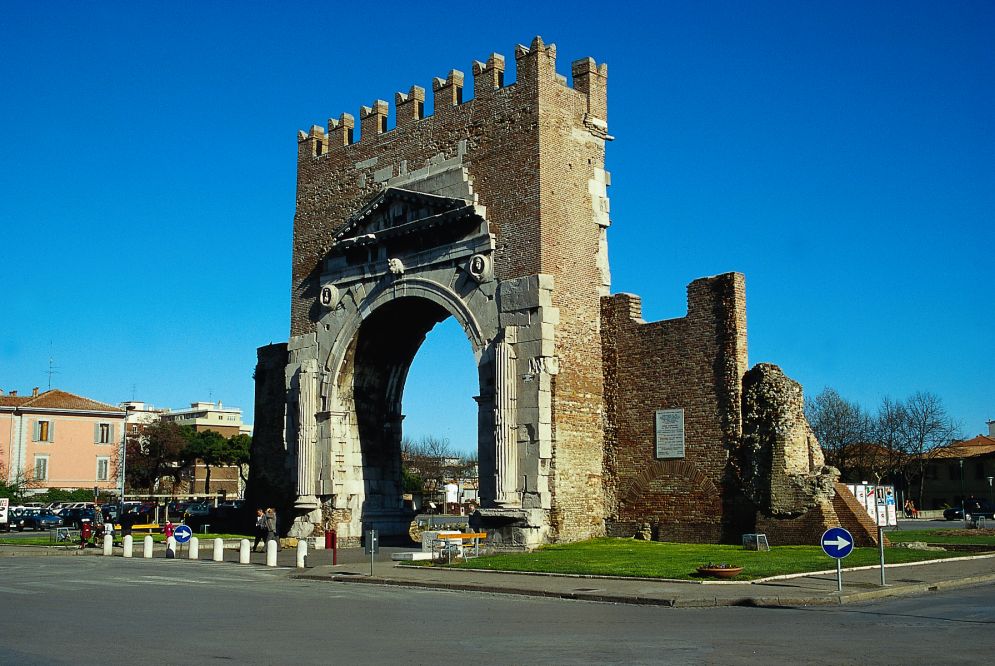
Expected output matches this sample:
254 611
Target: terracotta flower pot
720 572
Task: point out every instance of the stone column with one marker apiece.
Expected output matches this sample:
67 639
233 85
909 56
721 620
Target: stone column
506 420
307 404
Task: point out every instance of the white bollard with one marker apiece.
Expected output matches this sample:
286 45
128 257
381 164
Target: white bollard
147 547
170 548
193 548
219 550
108 544
301 553
243 551
271 547
129 545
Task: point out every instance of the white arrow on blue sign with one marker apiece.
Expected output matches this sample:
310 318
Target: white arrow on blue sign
182 533
837 542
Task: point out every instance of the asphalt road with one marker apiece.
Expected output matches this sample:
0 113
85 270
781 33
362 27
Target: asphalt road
110 610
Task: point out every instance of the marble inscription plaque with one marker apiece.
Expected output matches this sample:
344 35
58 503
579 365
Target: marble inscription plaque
670 433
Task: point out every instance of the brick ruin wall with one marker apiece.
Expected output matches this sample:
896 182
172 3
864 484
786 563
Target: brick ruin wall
842 511
504 136
695 363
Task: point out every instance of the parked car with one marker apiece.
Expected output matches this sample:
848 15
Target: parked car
197 510
975 508
74 517
39 519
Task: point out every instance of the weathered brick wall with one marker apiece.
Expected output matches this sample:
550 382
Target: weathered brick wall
695 363
804 530
570 168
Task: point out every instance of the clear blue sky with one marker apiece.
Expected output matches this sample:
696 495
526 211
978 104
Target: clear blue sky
840 154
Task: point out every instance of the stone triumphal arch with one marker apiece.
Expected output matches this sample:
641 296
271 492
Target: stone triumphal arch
494 210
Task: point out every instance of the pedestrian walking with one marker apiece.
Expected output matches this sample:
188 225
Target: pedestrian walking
85 532
270 525
260 529
168 529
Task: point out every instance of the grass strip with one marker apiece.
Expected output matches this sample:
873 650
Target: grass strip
984 537
650 559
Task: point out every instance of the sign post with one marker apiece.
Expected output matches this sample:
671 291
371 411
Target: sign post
372 546
182 533
837 543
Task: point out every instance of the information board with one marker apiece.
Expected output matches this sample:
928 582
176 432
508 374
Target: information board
670 433
884 504
4 506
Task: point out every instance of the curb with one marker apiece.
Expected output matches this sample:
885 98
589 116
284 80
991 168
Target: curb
829 599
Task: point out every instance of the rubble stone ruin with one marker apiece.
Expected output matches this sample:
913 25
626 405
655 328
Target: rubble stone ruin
494 210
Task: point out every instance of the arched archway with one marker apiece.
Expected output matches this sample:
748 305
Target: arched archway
370 384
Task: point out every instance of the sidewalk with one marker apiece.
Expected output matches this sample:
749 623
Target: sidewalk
805 590
799 590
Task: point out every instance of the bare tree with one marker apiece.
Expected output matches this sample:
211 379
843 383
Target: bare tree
925 428
431 462
842 428
16 486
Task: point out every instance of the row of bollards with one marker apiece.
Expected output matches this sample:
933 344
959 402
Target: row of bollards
193 549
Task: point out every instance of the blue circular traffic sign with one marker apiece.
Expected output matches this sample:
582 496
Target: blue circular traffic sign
182 533
837 542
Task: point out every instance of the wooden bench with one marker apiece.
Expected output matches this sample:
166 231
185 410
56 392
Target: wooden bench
449 543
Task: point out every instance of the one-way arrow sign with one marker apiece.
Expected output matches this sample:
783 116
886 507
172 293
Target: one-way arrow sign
182 533
837 542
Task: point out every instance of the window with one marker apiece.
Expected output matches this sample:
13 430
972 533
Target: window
103 468
134 429
104 433
41 468
44 431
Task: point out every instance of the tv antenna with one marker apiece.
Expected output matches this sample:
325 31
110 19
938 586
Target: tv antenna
51 368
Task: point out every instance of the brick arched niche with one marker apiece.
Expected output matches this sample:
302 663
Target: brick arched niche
675 495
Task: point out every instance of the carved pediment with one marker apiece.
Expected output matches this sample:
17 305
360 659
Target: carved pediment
395 213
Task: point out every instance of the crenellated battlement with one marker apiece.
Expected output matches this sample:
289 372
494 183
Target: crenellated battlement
534 63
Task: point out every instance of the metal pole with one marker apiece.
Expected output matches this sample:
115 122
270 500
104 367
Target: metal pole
839 575
881 551
963 511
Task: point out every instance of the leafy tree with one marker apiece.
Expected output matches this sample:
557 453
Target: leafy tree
160 450
211 448
238 451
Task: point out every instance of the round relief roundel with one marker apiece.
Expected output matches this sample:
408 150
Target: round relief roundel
329 296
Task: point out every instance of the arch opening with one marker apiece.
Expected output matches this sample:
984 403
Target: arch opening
372 378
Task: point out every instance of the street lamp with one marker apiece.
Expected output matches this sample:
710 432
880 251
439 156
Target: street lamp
963 511
991 500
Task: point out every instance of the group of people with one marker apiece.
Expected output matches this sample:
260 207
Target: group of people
265 527
910 509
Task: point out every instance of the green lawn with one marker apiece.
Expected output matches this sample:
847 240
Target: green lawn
627 557
984 537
